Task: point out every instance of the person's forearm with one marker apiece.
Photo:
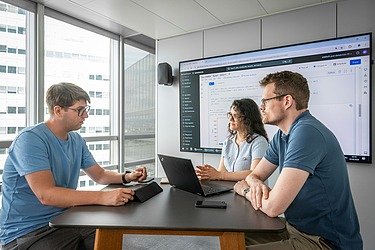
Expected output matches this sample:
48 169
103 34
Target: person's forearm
65 197
108 177
251 177
234 176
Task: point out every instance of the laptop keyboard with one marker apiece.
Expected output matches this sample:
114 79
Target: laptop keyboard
209 189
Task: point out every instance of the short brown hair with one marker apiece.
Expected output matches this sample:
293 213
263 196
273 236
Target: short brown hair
289 83
65 94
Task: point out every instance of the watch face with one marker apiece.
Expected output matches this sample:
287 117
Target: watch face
245 191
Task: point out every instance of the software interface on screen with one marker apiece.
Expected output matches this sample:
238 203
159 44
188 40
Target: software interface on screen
338 73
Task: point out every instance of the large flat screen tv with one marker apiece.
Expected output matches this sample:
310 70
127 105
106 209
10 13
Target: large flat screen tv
338 71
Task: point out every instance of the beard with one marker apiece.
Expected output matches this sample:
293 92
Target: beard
273 120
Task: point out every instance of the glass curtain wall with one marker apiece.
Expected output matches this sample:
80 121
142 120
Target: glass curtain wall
139 106
91 60
82 57
14 22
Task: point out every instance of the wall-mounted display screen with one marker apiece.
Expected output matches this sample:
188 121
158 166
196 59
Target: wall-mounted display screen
338 71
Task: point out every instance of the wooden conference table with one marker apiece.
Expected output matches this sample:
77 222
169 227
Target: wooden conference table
171 212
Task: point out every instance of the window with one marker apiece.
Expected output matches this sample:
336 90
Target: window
12 130
21 70
12 50
21 30
12 69
67 65
3 7
99 94
12 110
21 110
12 90
12 102
139 106
12 29
71 55
22 51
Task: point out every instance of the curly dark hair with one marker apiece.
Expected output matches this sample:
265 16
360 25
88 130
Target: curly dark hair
251 118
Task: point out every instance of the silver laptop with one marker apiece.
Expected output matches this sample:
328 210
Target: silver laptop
181 174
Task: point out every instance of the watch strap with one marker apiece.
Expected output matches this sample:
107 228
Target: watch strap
124 181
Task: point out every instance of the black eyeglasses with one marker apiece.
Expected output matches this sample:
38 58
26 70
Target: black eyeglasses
234 116
82 110
265 100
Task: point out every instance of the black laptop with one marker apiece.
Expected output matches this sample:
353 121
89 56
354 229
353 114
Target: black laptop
181 174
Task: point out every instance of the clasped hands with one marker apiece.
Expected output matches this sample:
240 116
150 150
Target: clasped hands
137 174
258 191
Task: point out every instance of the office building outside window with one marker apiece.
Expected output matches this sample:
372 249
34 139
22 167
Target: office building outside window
139 105
90 60
13 39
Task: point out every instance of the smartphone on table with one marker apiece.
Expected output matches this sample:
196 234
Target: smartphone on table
211 204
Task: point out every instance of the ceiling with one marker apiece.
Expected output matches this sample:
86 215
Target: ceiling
158 19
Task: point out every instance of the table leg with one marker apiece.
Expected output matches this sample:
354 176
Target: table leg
107 238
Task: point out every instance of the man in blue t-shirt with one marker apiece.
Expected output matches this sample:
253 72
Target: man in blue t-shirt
313 188
41 175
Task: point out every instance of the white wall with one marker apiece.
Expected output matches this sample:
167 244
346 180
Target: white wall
314 23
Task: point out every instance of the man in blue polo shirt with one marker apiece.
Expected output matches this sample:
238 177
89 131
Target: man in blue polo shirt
313 188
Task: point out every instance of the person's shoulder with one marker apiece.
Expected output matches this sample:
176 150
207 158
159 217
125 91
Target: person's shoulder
260 138
31 131
229 139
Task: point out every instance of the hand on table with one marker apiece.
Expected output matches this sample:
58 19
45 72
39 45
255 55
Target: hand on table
116 197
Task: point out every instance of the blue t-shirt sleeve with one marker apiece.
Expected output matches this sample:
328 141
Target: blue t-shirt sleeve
259 147
87 158
306 148
272 152
29 154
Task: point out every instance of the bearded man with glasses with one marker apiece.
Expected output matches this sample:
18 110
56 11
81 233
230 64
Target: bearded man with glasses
41 176
312 189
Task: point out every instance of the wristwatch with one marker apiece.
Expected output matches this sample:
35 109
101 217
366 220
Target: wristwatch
124 181
245 191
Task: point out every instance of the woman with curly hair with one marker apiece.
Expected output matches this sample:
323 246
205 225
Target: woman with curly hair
244 147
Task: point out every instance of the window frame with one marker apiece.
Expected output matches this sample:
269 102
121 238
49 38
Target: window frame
35 13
